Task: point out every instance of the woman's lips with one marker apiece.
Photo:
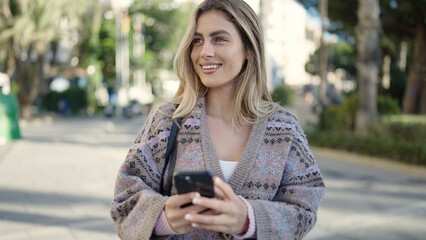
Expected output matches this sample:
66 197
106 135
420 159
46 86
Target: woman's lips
210 68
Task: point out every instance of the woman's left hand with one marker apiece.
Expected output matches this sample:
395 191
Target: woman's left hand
231 211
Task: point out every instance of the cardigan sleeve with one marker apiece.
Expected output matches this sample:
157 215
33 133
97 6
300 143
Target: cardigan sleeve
292 212
137 203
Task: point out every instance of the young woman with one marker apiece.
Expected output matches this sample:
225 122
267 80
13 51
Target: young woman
267 183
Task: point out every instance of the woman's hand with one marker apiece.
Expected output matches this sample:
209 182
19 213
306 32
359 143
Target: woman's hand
175 214
231 212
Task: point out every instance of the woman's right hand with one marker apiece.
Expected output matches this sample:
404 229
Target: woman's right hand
176 215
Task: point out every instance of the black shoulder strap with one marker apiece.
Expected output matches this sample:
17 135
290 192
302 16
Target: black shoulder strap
170 159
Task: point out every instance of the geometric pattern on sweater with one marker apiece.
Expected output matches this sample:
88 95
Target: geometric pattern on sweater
277 174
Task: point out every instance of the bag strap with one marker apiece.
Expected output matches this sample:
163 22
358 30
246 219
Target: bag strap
170 159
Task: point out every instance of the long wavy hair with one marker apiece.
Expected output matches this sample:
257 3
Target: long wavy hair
252 101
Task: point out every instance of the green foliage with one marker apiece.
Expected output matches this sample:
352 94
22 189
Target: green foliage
398 137
77 99
74 97
343 55
409 128
340 55
387 105
107 49
341 117
397 83
398 150
342 15
284 95
164 25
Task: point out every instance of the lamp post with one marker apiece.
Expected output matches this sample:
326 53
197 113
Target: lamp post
122 27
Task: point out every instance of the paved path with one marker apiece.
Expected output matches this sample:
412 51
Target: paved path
369 198
57 183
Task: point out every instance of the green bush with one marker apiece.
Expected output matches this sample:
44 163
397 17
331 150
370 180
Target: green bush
341 117
51 100
284 95
77 99
387 105
399 150
74 96
409 128
394 135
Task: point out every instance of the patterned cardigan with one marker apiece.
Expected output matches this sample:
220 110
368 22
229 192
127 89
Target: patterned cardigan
277 174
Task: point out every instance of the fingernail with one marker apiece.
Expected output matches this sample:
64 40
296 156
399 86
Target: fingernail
188 217
217 180
194 225
196 195
196 200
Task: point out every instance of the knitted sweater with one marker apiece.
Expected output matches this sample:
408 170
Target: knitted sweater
277 174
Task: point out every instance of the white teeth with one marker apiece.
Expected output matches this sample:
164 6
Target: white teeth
210 66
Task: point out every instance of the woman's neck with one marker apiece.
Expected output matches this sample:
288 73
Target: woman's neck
219 104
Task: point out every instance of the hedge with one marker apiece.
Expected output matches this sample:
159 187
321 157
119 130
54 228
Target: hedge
399 150
341 117
409 128
75 98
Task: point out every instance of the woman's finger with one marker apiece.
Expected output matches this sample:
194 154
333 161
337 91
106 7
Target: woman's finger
210 203
227 191
177 201
219 193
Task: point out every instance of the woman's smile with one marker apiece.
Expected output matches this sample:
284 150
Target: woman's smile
210 68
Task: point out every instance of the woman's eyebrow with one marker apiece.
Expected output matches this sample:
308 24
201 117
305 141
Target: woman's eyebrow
218 32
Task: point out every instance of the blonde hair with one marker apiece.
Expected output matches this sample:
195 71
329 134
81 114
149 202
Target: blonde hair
252 101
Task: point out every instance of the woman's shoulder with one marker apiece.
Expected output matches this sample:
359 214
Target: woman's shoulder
166 109
282 115
161 115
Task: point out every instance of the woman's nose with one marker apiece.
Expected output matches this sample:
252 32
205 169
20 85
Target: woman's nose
207 50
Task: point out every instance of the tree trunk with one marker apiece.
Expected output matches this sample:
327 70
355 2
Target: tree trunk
28 77
22 79
367 35
423 97
323 58
415 76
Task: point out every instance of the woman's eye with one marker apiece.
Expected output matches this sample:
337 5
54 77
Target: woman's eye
219 39
197 41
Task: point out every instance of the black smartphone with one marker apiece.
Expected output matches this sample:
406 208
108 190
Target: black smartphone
201 182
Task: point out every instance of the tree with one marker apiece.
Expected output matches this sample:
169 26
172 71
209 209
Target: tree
406 19
163 27
403 24
323 57
367 36
342 55
28 30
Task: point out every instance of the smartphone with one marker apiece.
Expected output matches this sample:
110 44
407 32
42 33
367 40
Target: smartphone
201 182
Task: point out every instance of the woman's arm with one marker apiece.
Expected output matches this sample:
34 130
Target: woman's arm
292 212
137 203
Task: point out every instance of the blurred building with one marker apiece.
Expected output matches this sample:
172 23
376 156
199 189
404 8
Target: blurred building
289 41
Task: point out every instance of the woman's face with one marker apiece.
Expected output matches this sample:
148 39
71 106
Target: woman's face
217 50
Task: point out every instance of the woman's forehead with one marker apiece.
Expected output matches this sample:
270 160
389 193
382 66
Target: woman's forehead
214 20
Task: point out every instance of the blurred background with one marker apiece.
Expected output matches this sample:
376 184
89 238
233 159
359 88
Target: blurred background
77 79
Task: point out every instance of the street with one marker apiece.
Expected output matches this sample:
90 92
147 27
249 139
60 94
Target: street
58 182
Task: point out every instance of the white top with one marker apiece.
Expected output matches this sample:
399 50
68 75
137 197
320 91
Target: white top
228 168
